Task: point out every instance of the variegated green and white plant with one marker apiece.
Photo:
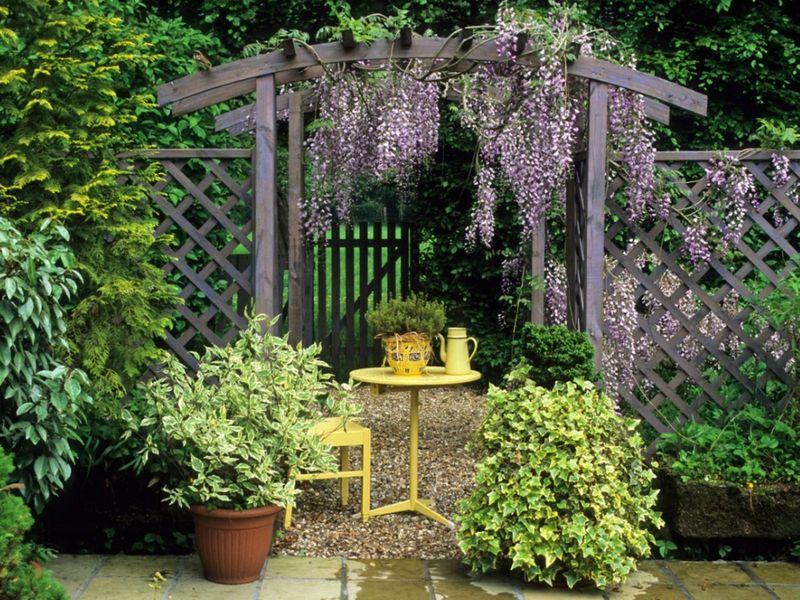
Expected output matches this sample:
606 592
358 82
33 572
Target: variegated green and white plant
233 434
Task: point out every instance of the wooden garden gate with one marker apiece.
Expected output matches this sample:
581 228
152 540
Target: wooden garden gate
357 268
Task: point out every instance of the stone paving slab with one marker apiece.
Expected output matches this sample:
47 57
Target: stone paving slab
120 577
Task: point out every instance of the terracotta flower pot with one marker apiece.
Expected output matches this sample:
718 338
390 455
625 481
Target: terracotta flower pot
233 544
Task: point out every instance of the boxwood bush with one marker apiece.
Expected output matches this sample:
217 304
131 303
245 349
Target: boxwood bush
555 353
562 492
18 578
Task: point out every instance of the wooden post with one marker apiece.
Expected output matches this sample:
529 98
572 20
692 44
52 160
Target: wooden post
594 195
267 280
538 244
570 254
297 259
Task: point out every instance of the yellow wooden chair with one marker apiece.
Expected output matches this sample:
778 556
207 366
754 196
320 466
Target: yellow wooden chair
342 434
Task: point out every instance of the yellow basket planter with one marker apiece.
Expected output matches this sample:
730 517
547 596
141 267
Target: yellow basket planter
409 353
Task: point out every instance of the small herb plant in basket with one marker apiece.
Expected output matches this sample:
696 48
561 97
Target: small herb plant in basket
406 327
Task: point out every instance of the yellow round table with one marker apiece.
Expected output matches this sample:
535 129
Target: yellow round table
383 380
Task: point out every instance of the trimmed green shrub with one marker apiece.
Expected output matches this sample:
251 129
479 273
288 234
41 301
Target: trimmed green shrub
43 401
562 492
402 315
554 353
18 578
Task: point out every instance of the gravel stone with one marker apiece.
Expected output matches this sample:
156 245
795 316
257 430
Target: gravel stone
449 417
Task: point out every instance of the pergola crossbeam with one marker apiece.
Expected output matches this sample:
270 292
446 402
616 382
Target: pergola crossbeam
239 77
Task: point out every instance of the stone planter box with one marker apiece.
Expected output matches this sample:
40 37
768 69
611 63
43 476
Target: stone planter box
697 509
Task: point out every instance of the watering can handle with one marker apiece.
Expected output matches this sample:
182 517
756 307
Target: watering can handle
475 349
442 347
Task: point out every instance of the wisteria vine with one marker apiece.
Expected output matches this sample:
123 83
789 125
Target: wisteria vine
525 123
376 125
379 121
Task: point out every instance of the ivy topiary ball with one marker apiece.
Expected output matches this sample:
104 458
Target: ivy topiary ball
562 492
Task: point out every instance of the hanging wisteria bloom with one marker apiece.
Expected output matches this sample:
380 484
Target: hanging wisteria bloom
555 293
634 141
780 164
526 127
621 328
733 191
407 128
717 221
339 149
372 125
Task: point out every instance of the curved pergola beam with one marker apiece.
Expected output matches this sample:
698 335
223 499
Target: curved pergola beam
239 77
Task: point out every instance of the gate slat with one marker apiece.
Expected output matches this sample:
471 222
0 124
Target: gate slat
363 339
349 283
336 299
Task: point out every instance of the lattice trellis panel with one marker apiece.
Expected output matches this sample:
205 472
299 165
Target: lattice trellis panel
205 200
701 341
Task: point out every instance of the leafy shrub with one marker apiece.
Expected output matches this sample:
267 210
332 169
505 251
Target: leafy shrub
562 490
43 402
66 112
18 579
749 447
401 315
231 436
554 353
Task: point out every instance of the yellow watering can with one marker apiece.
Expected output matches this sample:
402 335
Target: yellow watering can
455 352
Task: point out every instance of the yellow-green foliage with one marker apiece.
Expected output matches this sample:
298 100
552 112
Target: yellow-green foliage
562 491
65 114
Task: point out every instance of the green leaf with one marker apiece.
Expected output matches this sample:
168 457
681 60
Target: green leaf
24 408
5 312
72 387
26 309
39 466
10 286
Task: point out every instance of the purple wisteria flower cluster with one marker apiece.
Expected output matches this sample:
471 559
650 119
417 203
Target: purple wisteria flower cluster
628 340
719 223
381 120
634 142
526 127
555 293
780 164
374 125
780 178
621 331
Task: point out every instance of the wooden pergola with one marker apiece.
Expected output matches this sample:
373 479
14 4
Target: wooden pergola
264 74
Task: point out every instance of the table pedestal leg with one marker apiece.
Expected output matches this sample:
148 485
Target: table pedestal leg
414 503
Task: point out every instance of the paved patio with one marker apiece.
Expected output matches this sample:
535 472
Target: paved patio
119 577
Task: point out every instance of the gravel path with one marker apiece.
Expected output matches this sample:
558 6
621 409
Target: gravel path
448 419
